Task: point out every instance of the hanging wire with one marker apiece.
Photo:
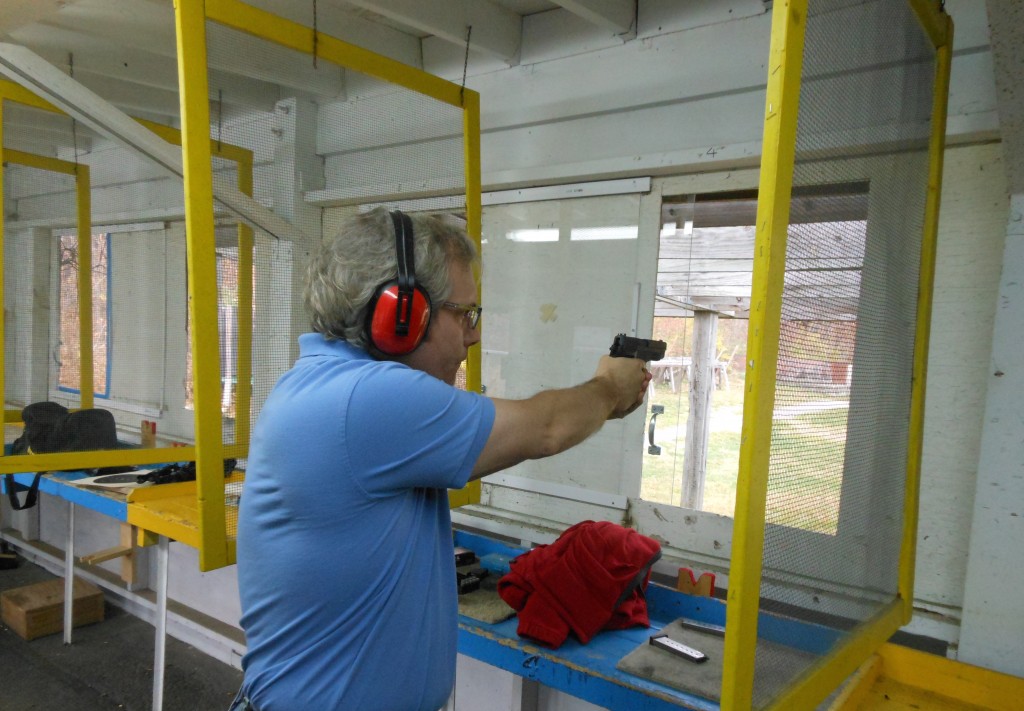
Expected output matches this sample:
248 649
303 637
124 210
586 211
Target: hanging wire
316 34
465 65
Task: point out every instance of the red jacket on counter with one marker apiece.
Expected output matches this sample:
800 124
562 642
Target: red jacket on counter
592 578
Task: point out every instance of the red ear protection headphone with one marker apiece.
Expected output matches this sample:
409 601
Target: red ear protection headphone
398 316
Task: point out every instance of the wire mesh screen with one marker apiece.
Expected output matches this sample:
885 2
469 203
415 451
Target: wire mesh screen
329 137
27 264
842 400
140 351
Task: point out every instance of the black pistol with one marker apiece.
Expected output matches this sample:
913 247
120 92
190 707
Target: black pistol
643 348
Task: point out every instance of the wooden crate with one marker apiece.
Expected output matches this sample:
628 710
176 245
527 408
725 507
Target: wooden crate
38 610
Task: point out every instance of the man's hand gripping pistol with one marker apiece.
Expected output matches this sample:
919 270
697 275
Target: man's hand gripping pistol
645 349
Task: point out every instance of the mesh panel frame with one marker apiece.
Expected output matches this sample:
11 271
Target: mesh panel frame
842 439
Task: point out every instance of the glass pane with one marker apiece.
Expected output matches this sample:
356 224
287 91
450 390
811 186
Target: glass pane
705 263
558 285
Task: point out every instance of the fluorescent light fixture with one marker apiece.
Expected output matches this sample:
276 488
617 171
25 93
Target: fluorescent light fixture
548 234
582 234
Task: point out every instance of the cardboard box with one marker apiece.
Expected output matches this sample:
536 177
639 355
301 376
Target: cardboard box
38 610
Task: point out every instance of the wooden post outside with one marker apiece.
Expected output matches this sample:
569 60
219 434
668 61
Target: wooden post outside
698 423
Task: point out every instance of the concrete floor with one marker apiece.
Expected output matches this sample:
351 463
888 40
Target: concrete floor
108 666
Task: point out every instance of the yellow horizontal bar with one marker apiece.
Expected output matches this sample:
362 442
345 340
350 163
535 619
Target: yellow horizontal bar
971 685
268 26
174 518
73 461
219 148
54 165
830 671
19 94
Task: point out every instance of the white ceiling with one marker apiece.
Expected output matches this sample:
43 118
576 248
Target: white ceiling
121 48
124 50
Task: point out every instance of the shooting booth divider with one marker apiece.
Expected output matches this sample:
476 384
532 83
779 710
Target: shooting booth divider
856 94
408 132
67 224
229 281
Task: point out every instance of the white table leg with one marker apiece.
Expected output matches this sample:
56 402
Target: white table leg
162 556
69 575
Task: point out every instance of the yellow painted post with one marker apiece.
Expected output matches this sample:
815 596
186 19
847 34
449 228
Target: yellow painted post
86 380
243 368
926 283
470 494
85 359
190 26
93 459
3 304
775 184
471 137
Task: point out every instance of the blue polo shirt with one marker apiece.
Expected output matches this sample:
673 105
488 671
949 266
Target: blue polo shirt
345 564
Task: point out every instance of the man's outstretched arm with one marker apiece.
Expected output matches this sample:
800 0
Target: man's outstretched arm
552 421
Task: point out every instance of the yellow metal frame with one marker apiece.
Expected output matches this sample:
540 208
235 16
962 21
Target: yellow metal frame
786 55
776 180
3 290
906 678
939 27
84 221
215 549
10 91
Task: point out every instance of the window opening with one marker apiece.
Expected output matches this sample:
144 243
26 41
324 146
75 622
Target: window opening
702 308
69 363
227 327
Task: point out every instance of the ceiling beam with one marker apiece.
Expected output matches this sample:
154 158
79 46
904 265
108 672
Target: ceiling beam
96 63
53 85
16 13
496 32
618 16
132 28
350 25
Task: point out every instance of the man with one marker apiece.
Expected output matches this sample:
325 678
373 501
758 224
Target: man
345 555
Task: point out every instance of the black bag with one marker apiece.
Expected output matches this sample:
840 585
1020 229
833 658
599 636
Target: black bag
51 427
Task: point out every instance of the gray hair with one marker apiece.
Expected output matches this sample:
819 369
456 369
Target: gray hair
345 271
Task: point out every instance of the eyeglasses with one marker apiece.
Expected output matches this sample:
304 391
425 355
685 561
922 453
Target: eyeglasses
470 313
